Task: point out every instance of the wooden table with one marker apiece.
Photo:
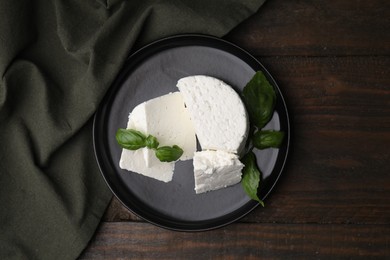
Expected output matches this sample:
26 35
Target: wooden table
332 62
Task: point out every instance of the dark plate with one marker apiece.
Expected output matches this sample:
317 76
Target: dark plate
151 72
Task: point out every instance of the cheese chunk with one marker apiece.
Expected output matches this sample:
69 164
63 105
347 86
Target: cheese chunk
167 119
135 160
217 112
215 170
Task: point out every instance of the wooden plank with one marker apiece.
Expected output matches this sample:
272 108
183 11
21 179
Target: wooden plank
117 212
144 241
317 28
338 170
339 167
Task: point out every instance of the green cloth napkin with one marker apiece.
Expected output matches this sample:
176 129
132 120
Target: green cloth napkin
57 60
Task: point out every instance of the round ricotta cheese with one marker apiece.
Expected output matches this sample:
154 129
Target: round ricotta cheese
217 112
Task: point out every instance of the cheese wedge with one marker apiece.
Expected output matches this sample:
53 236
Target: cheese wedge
167 119
135 160
214 170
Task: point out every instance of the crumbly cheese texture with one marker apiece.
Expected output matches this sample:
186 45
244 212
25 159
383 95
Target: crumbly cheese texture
167 119
217 112
214 170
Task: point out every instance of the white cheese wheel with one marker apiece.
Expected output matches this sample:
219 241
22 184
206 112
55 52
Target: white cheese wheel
217 112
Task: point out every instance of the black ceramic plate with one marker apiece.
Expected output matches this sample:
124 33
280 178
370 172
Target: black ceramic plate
151 72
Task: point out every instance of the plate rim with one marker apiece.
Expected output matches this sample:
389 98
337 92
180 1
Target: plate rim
169 42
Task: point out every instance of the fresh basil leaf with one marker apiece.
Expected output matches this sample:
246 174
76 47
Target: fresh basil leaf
151 142
169 154
251 176
267 139
259 97
130 139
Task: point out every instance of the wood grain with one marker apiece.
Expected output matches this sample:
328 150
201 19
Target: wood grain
266 241
316 28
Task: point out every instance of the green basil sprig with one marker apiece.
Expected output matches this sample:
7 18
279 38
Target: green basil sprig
260 99
133 140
